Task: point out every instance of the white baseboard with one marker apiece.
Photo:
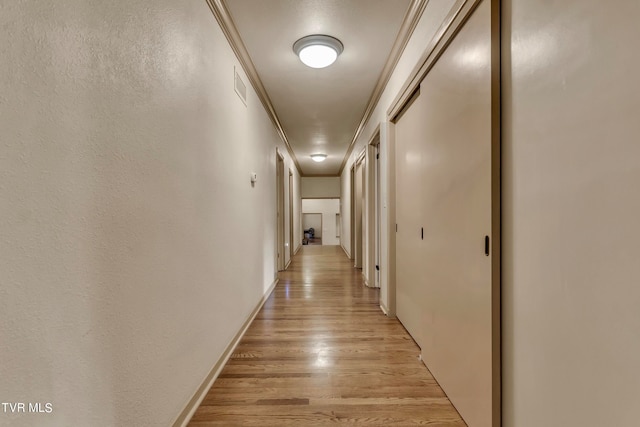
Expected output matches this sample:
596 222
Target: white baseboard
187 413
297 249
384 309
345 251
366 282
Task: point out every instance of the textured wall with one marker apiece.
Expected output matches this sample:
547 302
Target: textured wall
430 21
296 240
320 187
345 209
126 208
571 168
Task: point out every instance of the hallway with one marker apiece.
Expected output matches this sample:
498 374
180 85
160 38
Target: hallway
321 352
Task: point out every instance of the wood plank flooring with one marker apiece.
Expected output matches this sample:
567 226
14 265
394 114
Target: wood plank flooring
321 352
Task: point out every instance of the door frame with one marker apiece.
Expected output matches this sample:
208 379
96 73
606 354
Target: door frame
291 239
352 211
280 263
360 171
370 217
373 211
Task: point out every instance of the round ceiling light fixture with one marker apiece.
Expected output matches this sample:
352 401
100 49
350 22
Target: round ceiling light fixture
318 51
318 157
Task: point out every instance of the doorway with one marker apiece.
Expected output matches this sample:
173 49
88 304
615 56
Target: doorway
352 212
358 212
312 228
292 242
374 213
280 240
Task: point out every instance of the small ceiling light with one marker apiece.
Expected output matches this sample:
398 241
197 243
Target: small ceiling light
318 51
318 157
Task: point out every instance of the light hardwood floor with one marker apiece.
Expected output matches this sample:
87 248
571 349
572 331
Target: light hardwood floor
321 352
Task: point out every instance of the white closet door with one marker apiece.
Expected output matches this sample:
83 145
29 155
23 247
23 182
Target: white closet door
447 288
457 210
409 273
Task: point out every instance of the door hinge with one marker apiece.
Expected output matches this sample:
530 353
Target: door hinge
377 155
486 245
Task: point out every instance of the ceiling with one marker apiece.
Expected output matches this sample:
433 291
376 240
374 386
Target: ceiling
319 110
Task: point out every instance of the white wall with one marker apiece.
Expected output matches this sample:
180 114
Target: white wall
127 210
571 170
296 239
328 208
387 217
345 210
320 187
430 21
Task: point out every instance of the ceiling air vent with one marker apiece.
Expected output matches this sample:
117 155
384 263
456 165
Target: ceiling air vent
239 86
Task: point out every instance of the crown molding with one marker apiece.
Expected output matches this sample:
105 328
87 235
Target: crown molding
409 23
457 16
320 198
222 15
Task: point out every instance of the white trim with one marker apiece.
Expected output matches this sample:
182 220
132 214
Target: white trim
361 157
187 413
388 263
345 251
384 309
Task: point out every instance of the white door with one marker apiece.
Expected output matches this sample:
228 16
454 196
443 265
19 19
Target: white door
447 187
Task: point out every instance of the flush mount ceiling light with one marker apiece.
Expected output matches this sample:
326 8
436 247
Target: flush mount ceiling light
318 51
318 157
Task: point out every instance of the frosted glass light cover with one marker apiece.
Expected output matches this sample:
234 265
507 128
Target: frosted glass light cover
318 56
318 50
